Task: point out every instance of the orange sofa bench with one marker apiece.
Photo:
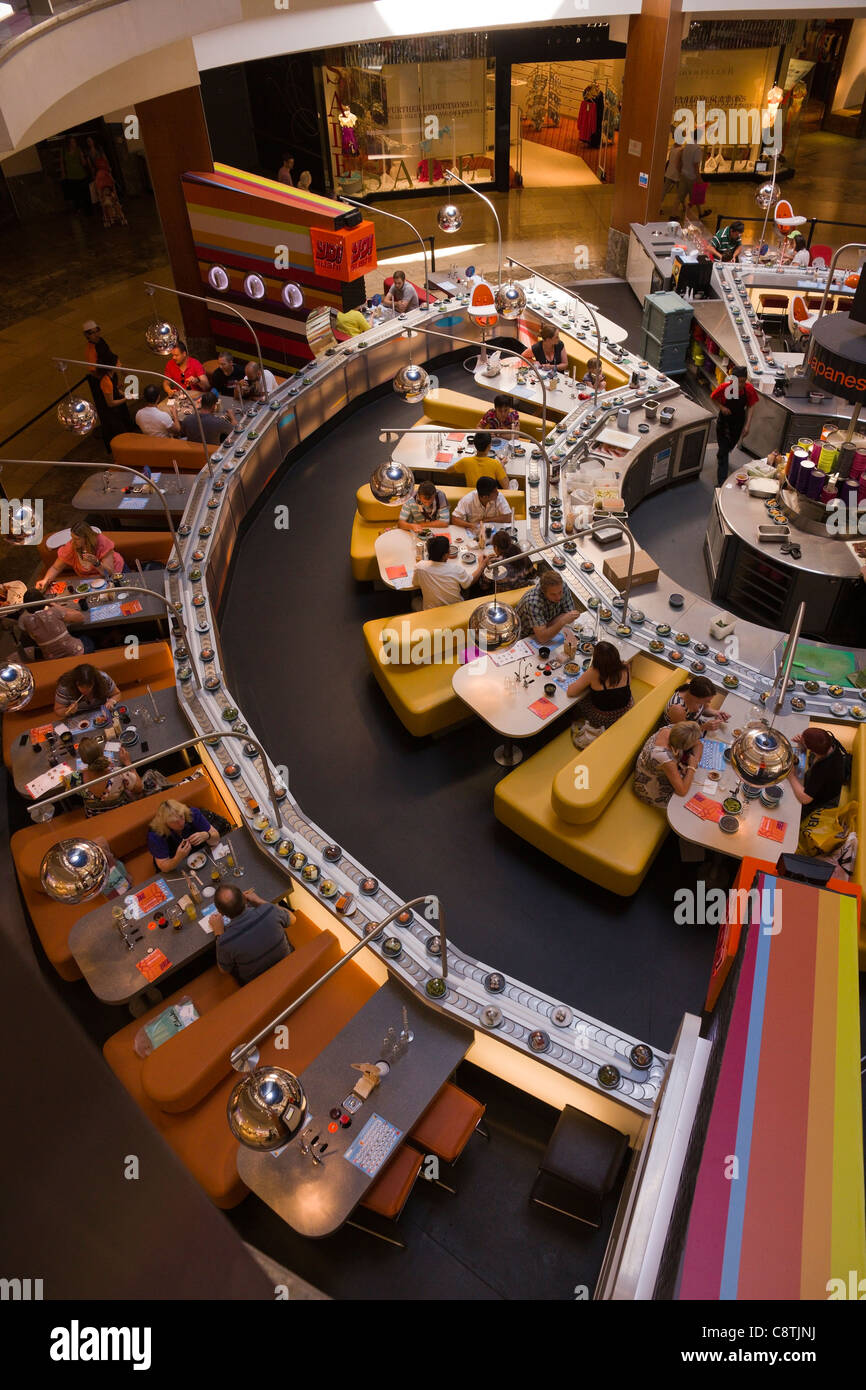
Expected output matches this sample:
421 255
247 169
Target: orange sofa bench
132 545
153 666
155 452
125 829
183 1086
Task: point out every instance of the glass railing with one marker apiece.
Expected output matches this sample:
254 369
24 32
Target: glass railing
22 19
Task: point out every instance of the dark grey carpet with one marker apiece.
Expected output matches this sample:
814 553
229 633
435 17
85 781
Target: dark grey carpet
420 812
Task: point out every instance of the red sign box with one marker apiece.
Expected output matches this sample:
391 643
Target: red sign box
346 254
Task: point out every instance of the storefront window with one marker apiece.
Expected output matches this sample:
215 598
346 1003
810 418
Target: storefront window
396 126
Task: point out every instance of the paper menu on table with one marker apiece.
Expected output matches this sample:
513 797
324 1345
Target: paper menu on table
713 755
101 611
396 572
38 735
544 708
128 609
147 899
772 829
133 503
153 965
48 781
519 650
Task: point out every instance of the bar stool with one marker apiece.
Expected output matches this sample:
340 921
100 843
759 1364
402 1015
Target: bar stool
447 1125
579 1167
389 1194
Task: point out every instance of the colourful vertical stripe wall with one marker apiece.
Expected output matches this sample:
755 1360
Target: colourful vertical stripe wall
238 221
778 1209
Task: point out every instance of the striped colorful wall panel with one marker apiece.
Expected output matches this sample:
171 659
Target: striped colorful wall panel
237 221
778 1209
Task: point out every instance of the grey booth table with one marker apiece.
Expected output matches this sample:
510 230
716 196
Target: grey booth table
316 1201
104 614
109 967
26 763
92 497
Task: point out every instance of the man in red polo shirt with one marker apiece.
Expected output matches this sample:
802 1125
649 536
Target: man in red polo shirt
736 399
183 370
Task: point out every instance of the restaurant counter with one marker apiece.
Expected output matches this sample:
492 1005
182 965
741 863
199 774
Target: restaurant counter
547 1046
755 578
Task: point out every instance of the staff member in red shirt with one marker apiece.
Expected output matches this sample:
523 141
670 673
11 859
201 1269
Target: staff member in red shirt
184 370
736 399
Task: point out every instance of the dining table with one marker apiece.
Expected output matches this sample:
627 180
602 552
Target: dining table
121 968
155 725
398 551
101 603
714 784
506 689
316 1198
425 449
111 494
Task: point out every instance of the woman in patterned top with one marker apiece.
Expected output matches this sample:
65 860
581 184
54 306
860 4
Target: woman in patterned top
691 701
667 762
502 416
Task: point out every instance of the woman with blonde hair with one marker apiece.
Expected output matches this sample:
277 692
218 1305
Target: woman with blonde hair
118 790
666 763
87 553
175 831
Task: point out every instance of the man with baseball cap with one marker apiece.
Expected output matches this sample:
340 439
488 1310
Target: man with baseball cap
94 339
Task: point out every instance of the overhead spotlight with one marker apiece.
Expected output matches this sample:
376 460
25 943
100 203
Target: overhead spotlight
510 301
391 482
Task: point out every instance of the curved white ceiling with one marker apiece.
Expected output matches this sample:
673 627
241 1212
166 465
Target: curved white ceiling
139 49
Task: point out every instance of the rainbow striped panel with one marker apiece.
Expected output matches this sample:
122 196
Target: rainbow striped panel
239 221
778 1210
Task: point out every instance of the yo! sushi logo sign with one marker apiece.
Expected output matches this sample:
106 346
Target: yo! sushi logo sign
344 254
363 254
328 252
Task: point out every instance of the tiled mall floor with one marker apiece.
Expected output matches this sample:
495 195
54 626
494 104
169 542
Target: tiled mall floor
57 272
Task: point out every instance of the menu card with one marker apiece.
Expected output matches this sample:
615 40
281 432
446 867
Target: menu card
544 708
39 734
515 653
455 436
153 965
705 807
152 896
49 781
395 571
127 609
713 755
133 504
442 457
772 829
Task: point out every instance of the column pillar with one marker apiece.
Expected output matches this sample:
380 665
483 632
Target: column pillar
648 88
174 133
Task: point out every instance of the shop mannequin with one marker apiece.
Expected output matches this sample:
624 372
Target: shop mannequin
348 121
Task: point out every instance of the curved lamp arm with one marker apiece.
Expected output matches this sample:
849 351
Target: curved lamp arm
849 246
129 589
450 174
509 352
148 371
584 531
394 218
241 1055
221 304
580 300
93 468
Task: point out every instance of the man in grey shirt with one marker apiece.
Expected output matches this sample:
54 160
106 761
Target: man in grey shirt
402 296
215 426
254 937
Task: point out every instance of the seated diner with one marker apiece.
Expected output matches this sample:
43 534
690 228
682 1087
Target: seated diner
177 831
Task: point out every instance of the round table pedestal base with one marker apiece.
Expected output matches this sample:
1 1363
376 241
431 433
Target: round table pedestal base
508 754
